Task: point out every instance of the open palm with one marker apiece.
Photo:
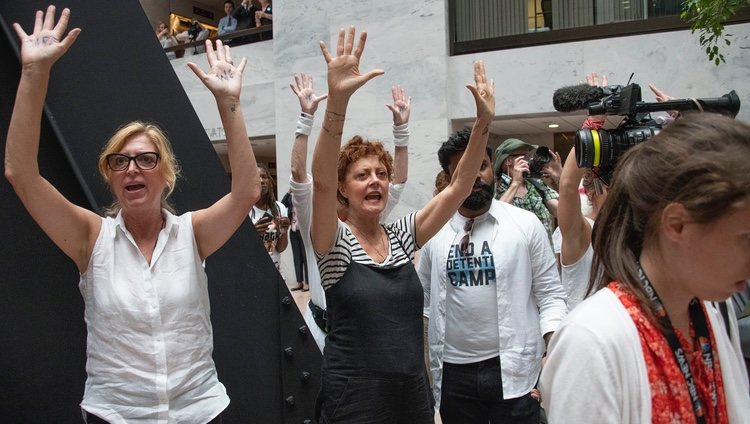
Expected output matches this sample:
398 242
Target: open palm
223 78
401 107
483 92
344 77
45 45
303 88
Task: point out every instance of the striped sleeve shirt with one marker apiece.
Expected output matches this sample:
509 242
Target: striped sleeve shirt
346 248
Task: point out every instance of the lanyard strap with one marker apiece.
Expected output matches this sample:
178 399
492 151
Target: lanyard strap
700 326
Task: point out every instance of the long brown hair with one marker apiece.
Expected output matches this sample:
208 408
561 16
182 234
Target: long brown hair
702 161
270 197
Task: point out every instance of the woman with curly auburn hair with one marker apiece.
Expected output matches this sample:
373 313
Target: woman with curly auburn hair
356 149
373 368
150 341
672 236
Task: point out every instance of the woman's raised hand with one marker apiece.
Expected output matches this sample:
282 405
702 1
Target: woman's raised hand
344 77
46 44
593 80
483 92
401 106
223 78
303 88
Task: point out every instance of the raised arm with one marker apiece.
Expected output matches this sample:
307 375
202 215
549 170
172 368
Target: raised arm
574 228
225 26
214 225
260 14
308 104
343 80
401 109
663 97
72 228
441 207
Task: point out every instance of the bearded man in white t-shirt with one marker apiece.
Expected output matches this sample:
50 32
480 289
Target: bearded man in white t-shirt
495 298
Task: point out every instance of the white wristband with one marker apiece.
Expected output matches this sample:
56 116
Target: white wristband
304 124
401 135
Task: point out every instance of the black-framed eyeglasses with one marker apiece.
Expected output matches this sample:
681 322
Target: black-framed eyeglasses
144 161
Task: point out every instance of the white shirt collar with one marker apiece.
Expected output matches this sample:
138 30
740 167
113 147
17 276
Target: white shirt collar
171 224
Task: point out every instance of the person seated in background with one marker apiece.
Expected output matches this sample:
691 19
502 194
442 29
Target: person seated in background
195 32
673 235
264 16
228 23
245 15
165 38
198 32
513 186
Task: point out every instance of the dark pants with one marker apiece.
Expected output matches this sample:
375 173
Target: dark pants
399 400
298 253
93 419
473 394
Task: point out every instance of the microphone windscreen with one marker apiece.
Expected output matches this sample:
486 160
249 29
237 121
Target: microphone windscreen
576 97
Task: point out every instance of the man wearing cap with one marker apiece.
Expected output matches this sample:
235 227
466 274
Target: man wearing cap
513 188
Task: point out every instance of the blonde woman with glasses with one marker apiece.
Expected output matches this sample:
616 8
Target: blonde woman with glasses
147 310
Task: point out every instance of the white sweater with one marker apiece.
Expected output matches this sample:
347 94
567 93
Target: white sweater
596 373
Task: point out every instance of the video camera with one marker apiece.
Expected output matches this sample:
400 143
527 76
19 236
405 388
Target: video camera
602 148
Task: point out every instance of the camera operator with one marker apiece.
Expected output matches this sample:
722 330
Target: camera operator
514 187
576 252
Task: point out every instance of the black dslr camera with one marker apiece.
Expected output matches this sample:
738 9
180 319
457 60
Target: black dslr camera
602 148
193 31
537 158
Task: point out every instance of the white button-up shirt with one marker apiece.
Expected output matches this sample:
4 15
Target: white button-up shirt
530 297
149 330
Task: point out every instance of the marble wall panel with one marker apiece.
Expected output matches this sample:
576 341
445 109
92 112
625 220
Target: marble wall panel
526 78
409 41
257 88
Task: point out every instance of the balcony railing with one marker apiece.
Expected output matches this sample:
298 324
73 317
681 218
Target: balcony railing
482 25
244 36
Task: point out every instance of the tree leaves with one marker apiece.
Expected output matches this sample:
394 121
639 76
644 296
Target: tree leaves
708 18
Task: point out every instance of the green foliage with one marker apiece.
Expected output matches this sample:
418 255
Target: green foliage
708 17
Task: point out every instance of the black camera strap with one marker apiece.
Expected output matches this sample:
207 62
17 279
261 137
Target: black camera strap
540 188
700 326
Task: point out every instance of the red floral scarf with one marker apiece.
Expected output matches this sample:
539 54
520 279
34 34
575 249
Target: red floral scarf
670 400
